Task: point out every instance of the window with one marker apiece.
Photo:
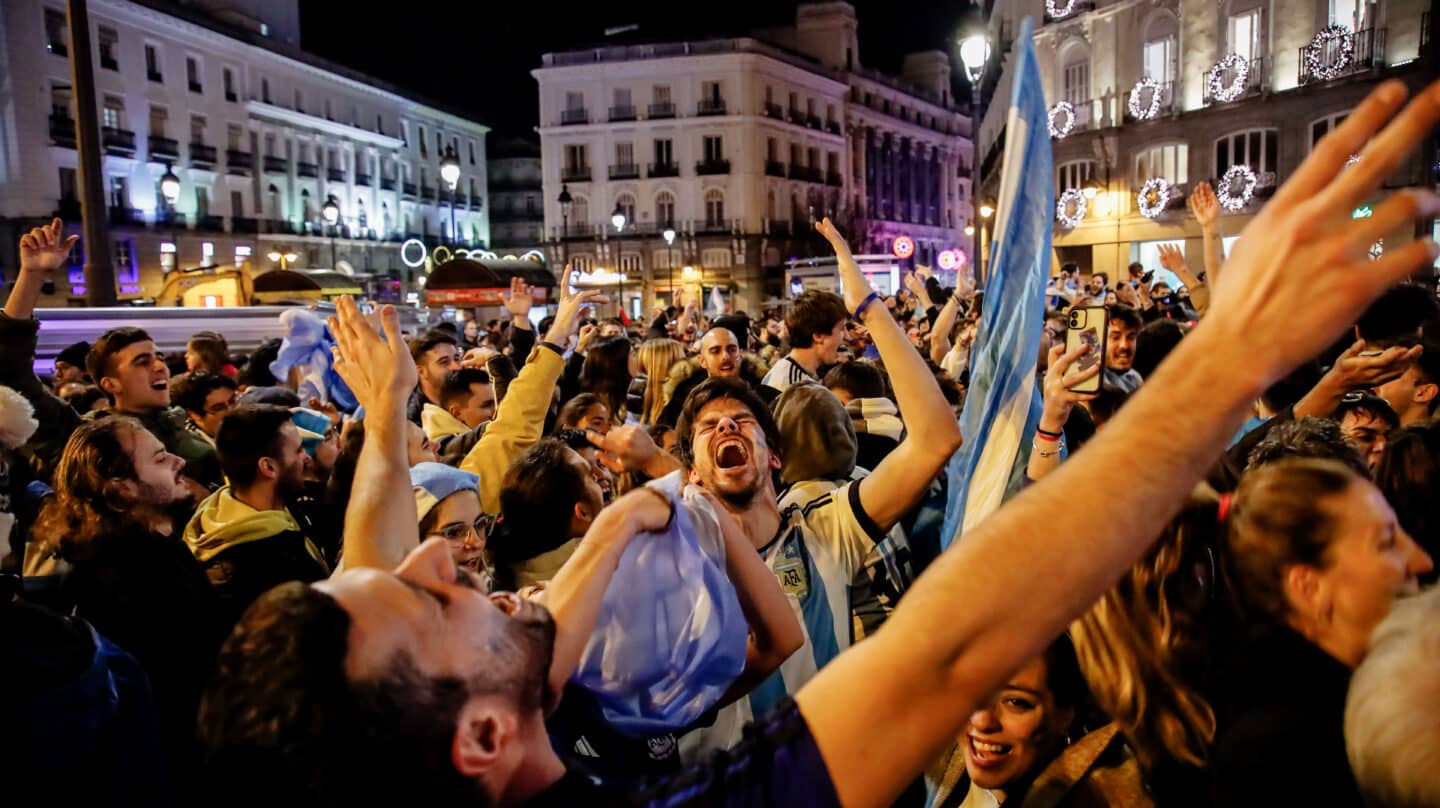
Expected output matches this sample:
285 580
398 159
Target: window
832 163
1255 148
624 154
1072 175
152 63
227 79
769 149
299 101
1159 59
60 100
109 48
192 74
716 258
1349 13
202 201
423 153
167 256
714 148
582 263
664 152
68 184
793 101
1244 33
661 93
664 209
1077 84
57 33
119 192
577 157
265 90
207 253
472 152
710 91
242 253
1170 161
234 137
237 203
379 124
439 144
810 107
112 116
329 111
714 207
580 209
794 154
574 101
158 119
197 129
622 98
270 145
1322 127
626 203
812 157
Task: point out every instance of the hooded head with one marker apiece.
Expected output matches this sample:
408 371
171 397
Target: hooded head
817 438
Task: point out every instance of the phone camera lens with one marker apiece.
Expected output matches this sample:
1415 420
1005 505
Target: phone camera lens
1074 321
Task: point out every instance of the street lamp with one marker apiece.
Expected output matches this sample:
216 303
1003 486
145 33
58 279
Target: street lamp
986 210
1091 188
565 201
669 235
331 212
283 259
170 190
617 218
974 54
969 230
450 173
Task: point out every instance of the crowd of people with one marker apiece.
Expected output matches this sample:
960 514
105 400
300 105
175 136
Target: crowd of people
1208 588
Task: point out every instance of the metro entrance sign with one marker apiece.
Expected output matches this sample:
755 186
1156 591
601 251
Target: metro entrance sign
477 298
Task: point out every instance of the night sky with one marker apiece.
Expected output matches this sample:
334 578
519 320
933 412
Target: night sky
461 55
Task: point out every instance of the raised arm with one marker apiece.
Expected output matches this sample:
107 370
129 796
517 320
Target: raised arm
940 332
931 431
379 522
1355 369
882 710
1059 401
1206 208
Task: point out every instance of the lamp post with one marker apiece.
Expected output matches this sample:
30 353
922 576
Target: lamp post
99 258
565 201
975 53
617 218
450 173
987 209
331 212
170 190
283 259
670 259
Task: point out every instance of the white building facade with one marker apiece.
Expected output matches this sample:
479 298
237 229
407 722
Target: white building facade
517 206
1295 85
260 134
738 145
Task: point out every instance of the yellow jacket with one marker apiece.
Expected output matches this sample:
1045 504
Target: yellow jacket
519 423
439 423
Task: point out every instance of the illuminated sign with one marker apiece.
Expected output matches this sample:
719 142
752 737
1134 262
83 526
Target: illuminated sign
477 297
950 259
904 247
408 248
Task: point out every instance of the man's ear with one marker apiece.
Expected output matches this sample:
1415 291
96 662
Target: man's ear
484 734
110 384
454 410
269 469
1426 393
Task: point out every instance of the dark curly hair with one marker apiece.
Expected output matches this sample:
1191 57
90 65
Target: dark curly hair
714 390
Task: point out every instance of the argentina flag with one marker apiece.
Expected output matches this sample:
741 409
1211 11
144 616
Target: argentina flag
1002 407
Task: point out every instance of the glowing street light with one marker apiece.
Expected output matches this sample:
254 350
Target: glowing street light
969 230
170 185
986 210
617 217
450 167
331 211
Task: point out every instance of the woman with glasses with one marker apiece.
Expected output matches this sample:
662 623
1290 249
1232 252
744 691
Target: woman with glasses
447 503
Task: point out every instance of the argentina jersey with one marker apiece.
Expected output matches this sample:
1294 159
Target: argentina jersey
785 374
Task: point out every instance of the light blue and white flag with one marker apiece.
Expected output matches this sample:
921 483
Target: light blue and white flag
1002 407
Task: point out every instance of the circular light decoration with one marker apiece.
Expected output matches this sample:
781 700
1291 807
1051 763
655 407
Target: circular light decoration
534 256
1239 69
1148 112
1062 119
1154 196
1377 249
1070 208
947 260
435 254
1343 54
406 252
904 247
1059 9
1235 188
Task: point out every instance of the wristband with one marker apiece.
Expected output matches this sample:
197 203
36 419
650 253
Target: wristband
864 304
1050 435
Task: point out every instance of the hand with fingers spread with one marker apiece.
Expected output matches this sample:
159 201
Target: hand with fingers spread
1204 204
1355 369
567 313
1060 381
518 302
630 448
1173 259
44 249
380 371
1306 278
852 281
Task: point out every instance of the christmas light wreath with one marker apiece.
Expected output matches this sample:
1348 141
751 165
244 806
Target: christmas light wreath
1313 54
1239 69
1058 11
1066 113
1072 197
1151 111
1154 196
1236 187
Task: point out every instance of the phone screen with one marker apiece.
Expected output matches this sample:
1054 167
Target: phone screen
1087 326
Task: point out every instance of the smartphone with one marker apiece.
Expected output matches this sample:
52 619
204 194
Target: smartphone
1088 325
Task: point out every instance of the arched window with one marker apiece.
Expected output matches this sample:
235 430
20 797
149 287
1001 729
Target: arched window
1073 175
1158 59
1256 148
665 209
1075 79
714 207
1322 127
626 203
1170 161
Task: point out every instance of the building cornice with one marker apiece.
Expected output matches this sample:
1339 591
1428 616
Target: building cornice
301 120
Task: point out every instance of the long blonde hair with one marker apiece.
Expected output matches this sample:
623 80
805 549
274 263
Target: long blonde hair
1139 644
657 356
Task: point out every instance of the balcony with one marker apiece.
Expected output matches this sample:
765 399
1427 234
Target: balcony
629 171
210 224
712 226
362 180
126 216
575 174
277 165
281 227
1166 92
833 127
304 169
170 219
710 106
62 130
68 210
804 173
387 183
1081 6
796 115
625 113
202 156
335 174
664 170
573 117
118 141
834 178
663 109
774 168
242 224
813 121
774 111
1255 84
407 190
164 148
705 167
427 193
1366 53
108 62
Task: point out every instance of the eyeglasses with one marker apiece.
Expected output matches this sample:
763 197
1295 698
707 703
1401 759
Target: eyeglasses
220 408
456 533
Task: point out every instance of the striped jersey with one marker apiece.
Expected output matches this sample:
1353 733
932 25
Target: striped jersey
785 373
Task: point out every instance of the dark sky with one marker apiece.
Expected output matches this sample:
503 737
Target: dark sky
461 54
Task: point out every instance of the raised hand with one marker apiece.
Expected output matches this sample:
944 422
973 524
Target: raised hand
326 408
567 313
519 300
379 371
1359 369
1060 398
1172 259
1295 288
852 281
44 249
630 448
1205 205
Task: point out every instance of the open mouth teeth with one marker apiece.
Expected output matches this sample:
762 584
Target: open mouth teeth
159 386
990 748
730 456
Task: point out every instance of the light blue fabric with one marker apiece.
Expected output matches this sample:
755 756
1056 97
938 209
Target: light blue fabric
670 638
1007 342
307 346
